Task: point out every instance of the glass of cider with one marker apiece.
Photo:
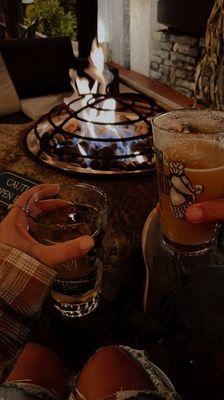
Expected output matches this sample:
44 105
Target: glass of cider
189 148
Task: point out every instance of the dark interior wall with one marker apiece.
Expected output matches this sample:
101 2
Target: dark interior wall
187 16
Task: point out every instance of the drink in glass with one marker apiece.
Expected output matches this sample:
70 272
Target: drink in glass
189 147
79 210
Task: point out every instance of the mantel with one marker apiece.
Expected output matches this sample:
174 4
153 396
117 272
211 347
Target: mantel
164 95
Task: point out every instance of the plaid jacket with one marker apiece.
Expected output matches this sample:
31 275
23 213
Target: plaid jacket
24 284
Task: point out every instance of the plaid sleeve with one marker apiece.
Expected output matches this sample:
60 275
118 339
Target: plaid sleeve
24 284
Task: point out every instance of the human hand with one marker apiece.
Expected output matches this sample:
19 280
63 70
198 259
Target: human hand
206 211
14 232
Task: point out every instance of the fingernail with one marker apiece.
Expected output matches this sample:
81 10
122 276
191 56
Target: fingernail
195 214
54 187
86 243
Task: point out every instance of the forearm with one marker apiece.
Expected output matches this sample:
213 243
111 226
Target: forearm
24 284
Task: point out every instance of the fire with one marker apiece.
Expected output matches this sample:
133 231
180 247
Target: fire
81 149
98 118
104 112
140 159
83 86
96 60
95 70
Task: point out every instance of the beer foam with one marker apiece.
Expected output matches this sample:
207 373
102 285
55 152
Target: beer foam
195 154
191 121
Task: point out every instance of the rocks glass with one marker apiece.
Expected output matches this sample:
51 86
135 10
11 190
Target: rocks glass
79 209
189 147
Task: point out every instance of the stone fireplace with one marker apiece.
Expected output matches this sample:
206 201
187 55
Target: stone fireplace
149 37
179 47
187 16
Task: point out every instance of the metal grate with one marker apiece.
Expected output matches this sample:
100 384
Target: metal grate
66 139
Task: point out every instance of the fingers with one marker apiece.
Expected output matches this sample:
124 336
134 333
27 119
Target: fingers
61 252
207 211
52 204
36 207
17 223
43 190
17 214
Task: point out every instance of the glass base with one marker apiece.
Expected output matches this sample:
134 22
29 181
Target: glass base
79 309
188 250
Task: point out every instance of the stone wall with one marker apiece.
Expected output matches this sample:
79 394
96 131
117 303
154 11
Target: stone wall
175 58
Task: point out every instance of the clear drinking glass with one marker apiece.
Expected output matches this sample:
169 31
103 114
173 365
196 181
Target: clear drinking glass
77 210
189 148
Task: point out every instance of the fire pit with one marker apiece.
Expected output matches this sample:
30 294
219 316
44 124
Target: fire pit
96 130
103 135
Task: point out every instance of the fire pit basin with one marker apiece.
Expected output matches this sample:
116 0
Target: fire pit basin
104 136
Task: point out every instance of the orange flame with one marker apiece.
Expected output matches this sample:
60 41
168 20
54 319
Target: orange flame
105 113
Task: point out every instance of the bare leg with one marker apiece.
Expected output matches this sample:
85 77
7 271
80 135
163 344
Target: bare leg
108 371
41 366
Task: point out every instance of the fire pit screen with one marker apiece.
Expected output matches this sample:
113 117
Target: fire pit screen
102 135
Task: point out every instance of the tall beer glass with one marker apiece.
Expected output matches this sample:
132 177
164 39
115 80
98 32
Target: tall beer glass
189 148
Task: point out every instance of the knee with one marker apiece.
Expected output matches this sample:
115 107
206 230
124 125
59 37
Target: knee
34 354
36 350
107 371
106 354
105 359
41 366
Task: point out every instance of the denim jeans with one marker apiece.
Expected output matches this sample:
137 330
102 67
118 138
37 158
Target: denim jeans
24 391
164 389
